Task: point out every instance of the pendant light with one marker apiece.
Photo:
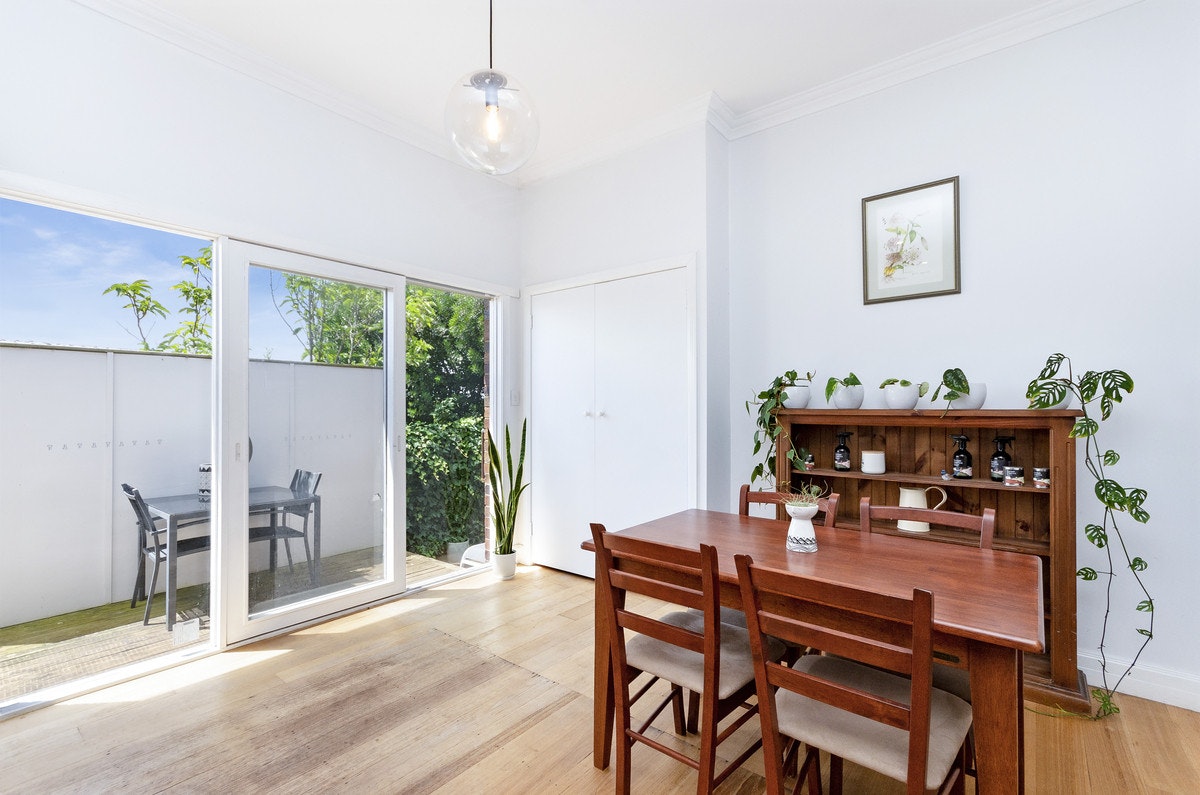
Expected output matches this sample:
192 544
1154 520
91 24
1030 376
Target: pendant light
490 119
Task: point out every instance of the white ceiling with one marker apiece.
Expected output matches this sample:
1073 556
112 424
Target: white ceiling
602 74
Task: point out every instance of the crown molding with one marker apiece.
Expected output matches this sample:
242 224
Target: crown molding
679 119
708 108
148 18
980 42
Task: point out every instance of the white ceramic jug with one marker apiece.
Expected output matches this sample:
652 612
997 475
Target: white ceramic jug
914 497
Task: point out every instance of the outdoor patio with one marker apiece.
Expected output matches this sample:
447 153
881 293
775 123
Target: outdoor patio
56 650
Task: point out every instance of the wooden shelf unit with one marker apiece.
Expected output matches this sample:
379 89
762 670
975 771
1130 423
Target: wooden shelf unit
917 447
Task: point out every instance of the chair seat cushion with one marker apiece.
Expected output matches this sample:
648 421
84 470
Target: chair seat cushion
685 667
866 742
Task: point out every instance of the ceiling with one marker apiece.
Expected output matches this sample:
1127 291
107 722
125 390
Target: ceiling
602 74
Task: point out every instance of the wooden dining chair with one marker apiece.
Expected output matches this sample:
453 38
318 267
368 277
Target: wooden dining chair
689 650
826 506
946 677
152 544
869 699
985 524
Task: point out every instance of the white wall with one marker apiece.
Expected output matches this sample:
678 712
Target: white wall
1078 164
103 114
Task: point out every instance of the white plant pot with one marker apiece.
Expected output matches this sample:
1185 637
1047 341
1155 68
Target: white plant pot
900 397
801 536
505 566
848 397
974 400
796 396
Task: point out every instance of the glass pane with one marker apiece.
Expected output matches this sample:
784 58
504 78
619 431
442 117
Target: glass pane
318 432
105 380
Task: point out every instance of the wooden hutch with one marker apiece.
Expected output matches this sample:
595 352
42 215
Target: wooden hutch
917 448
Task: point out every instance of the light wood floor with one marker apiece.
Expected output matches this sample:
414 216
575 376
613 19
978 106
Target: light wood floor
478 685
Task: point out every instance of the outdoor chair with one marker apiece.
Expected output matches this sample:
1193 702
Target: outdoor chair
303 482
689 650
152 543
868 699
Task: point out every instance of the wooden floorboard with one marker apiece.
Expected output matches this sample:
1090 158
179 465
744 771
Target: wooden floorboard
477 685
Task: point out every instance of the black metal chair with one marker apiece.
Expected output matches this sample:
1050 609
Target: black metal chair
303 482
152 543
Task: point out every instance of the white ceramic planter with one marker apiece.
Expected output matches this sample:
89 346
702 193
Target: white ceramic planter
505 566
848 397
900 397
974 400
797 396
801 536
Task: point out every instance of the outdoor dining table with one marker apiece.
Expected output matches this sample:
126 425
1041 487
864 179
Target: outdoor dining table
180 508
987 613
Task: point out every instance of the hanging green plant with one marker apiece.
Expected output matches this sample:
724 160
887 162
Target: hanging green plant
766 432
1107 388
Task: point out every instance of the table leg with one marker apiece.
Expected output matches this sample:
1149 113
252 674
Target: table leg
314 571
602 716
997 702
172 579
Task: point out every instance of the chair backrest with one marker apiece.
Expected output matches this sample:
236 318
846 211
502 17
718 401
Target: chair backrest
985 525
826 505
885 632
683 577
148 533
305 482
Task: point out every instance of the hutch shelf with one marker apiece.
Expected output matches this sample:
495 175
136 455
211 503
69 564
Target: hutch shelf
917 447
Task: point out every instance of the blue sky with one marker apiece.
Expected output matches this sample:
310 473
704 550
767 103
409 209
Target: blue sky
55 266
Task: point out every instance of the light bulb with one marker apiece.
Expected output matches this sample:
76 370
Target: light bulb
491 123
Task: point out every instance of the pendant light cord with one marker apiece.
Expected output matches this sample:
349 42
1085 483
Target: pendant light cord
490 34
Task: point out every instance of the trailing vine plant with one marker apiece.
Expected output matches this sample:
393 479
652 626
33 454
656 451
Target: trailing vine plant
767 427
1107 387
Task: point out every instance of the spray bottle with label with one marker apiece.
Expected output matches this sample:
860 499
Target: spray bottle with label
841 453
1000 458
961 460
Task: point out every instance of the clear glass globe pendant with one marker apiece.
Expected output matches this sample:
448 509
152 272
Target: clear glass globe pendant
491 122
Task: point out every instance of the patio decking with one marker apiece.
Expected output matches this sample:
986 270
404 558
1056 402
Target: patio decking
54 651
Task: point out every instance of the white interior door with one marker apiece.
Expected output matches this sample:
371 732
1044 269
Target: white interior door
612 405
643 394
562 407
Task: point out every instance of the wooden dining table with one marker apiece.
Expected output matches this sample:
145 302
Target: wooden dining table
987 612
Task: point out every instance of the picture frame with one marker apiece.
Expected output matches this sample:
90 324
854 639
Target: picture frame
910 243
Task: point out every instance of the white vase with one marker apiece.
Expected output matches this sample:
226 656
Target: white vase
801 536
901 397
848 397
796 396
973 400
505 566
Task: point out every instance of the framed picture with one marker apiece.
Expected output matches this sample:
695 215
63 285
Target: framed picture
910 242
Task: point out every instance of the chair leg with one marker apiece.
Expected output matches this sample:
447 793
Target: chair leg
835 775
150 593
287 547
139 583
693 721
677 709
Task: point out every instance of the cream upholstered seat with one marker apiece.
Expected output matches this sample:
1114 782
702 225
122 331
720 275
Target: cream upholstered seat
870 700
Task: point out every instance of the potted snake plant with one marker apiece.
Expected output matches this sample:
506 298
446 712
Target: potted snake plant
508 484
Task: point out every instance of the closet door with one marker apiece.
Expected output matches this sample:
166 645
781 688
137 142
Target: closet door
642 398
562 427
611 396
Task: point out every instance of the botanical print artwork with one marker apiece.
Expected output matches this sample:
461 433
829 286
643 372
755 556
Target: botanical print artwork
906 245
910 242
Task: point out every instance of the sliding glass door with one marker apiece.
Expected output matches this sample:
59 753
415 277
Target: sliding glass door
310 442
